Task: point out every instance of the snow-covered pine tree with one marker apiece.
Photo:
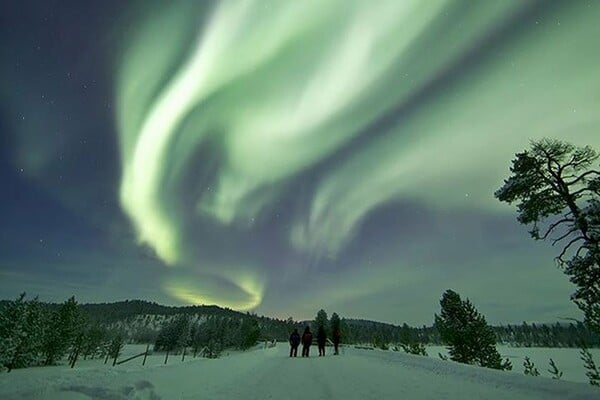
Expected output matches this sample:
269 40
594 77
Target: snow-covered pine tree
530 368
21 327
249 333
174 334
95 336
182 332
64 327
471 340
414 348
591 369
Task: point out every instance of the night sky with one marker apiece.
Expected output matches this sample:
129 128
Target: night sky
282 157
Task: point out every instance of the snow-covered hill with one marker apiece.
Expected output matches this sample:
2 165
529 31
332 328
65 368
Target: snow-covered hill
269 373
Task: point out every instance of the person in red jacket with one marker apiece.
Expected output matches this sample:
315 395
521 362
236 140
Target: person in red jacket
306 341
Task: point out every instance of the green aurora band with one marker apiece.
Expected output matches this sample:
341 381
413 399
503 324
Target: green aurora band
271 90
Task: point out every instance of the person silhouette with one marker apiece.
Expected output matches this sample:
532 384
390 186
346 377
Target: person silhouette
306 341
336 341
294 343
321 339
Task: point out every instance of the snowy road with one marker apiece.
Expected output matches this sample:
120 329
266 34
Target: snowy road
270 374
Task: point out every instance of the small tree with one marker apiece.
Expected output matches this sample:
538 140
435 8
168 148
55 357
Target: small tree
115 346
414 348
530 368
554 371
471 340
591 369
555 184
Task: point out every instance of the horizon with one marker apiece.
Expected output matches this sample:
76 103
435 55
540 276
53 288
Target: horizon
281 158
563 321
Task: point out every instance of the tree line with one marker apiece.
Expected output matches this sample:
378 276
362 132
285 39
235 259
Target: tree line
208 338
39 333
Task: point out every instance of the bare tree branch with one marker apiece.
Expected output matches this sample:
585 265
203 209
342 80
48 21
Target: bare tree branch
563 236
566 248
582 176
554 226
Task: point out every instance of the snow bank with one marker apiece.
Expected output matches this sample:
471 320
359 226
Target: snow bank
567 359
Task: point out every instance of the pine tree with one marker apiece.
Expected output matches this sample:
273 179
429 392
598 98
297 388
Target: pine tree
470 339
557 185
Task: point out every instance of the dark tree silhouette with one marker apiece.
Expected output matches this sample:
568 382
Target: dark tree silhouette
321 320
556 186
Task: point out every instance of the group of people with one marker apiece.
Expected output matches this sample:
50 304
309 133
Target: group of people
307 339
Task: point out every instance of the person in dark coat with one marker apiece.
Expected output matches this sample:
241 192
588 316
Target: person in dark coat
294 343
306 341
336 340
321 339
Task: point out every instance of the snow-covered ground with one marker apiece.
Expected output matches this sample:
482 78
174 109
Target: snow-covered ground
567 360
269 373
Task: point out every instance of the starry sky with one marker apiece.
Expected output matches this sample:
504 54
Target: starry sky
282 157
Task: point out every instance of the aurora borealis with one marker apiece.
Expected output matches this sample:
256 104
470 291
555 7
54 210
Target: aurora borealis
283 157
